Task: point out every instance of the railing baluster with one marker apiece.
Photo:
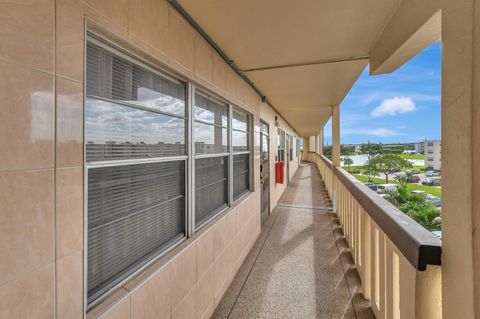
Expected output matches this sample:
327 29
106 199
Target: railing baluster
396 288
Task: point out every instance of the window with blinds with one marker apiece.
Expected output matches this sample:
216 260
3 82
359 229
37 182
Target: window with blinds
137 159
290 151
135 122
211 187
241 153
211 156
281 145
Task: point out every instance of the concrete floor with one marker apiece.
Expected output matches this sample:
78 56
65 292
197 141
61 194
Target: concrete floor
300 266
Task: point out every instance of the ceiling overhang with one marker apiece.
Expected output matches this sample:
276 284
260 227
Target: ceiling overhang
304 56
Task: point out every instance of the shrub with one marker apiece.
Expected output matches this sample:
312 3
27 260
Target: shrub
416 206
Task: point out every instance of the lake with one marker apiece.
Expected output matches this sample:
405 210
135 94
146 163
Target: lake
361 160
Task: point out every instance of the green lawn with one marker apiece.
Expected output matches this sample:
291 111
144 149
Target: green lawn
408 156
435 191
361 168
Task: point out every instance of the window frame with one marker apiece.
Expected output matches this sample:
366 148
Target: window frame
194 157
290 150
188 158
280 145
250 133
152 257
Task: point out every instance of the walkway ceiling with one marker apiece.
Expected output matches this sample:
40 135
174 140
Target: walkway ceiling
280 46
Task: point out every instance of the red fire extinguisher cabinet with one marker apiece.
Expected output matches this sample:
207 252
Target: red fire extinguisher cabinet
279 169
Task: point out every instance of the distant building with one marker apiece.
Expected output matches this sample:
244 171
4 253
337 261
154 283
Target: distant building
420 148
433 153
358 148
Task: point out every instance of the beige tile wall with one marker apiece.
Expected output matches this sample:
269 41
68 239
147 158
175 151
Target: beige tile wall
41 172
192 283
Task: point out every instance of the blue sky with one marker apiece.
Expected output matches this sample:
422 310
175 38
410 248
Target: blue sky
403 106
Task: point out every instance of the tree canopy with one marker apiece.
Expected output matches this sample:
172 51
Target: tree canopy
388 163
348 162
416 206
371 149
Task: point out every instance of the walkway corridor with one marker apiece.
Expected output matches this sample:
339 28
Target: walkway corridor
300 266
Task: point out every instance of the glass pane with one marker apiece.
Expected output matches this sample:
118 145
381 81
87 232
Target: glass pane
241 175
210 111
120 132
134 213
115 78
211 187
264 127
281 139
240 121
239 141
210 139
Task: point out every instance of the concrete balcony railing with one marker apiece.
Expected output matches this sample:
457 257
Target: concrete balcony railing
397 259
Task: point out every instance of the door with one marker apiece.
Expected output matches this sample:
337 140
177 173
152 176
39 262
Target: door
287 158
265 170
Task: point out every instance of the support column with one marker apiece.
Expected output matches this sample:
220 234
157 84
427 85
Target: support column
320 142
336 135
306 148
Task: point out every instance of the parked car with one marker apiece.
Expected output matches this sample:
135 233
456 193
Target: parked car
429 174
436 181
436 201
382 188
371 185
414 171
394 170
436 173
432 182
414 179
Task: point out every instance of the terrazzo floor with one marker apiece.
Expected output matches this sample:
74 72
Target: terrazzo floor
300 266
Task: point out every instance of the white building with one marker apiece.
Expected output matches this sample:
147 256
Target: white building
433 153
420 148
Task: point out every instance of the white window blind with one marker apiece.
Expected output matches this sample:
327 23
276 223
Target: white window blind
211 173
136 208
241 153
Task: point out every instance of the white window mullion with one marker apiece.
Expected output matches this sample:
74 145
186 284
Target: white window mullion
230 157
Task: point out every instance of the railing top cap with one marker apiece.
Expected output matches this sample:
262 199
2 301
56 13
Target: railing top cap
417 244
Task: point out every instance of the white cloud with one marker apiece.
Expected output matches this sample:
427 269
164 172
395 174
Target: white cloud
383 132
394 106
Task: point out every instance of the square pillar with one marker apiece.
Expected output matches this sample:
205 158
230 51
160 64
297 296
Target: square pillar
336 135
306 148
320 142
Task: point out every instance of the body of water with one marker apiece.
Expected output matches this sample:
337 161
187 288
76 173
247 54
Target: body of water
361 160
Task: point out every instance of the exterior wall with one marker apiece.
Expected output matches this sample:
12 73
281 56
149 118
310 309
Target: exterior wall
42 177
433 153
267 114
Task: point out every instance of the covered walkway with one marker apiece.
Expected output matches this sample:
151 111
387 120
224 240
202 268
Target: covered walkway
300 266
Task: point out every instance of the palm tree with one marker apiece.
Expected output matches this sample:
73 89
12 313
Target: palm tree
416 206
404 179
370 171
427 216
348 161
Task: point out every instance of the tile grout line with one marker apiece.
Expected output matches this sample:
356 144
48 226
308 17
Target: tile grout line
253 264
320 208
55 133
